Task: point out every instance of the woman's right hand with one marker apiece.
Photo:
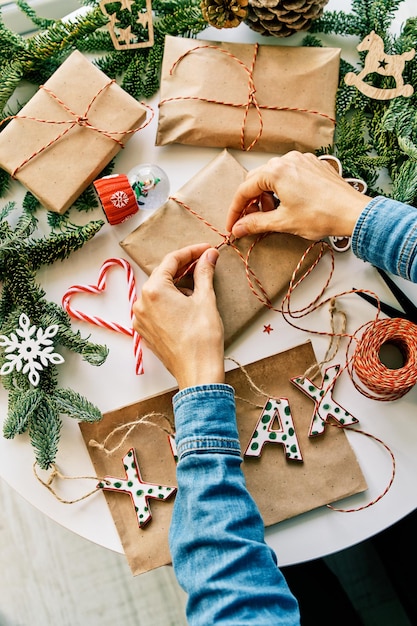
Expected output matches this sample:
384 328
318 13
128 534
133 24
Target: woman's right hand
313 200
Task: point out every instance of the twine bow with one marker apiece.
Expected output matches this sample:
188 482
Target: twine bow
254 283
251 101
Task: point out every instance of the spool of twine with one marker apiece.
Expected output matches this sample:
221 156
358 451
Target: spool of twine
383 382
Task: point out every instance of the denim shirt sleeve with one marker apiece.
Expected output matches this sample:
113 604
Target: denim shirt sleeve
216 536
386 236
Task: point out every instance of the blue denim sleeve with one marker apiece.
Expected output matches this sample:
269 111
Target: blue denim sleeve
216 536
386 236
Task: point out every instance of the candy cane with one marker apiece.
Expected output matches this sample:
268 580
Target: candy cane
98 321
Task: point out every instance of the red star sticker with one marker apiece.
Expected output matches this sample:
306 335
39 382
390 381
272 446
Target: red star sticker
268 328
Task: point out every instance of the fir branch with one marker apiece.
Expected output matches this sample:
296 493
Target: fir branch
96 42
58 246
352 148
87 201
35 58
408 147
336 22
58 221
26 225
179 18
115 63
20 292
5 212
40 22
12 72
5 180
22 405
404 184
312 41
30 203
94 354
375 15
76 406
44 431
153 73
11 44
62 35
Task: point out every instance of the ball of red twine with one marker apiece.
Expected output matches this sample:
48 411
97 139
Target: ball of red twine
384 382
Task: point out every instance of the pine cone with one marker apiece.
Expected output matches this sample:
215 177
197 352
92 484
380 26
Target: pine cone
224 13
281 18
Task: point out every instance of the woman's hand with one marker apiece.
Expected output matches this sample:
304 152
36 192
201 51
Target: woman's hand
183 327
296 193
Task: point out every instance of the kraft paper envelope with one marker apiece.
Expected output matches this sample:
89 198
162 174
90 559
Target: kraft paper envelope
210 96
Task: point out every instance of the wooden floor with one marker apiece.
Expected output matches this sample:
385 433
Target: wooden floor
51 577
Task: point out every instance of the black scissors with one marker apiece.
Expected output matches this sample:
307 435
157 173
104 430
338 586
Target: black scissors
409 309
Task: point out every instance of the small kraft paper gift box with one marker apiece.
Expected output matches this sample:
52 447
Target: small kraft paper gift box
247 96
68 132
197 213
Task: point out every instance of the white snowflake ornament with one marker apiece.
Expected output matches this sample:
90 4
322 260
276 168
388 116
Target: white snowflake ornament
30 350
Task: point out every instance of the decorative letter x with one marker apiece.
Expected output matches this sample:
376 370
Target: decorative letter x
325 406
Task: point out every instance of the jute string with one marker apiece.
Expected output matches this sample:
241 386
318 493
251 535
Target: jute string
128 428
57 474
125 430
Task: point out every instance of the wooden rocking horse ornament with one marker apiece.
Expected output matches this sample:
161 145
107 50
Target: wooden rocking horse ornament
377 61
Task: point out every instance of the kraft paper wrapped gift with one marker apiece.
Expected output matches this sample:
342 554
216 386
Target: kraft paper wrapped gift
209 193
282 488
210 95
58 169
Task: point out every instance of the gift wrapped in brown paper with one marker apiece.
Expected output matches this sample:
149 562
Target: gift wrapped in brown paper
68 132
247 96
208 195
282 488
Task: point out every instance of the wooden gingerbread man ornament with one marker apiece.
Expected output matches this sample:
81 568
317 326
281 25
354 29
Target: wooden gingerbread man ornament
377 61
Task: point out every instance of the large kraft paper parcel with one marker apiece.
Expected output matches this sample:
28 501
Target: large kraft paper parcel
55 168
282 488
211 97
273 258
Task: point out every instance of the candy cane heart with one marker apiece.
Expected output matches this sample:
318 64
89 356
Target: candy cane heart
98 321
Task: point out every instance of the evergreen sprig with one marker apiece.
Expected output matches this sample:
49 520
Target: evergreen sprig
38 410
36 57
